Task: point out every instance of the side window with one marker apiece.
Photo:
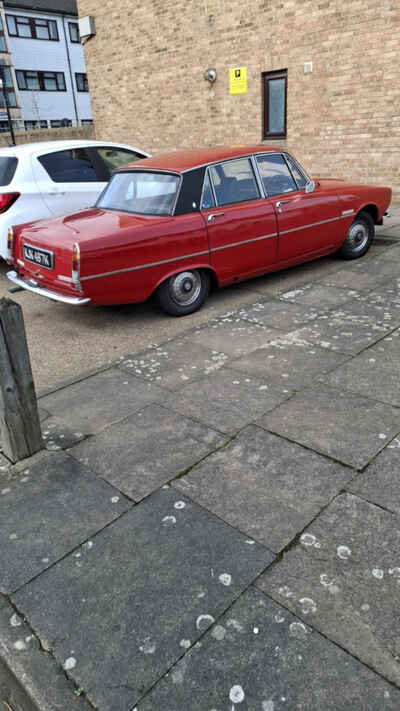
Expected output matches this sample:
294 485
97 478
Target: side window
71 166
234 181
116 157
299 176
207 199
275 174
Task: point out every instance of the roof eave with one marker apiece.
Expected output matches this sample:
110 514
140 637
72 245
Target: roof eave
33 8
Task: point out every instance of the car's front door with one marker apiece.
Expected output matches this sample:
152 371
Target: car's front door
307 221
241 225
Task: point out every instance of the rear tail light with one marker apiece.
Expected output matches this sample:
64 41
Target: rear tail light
10 239
7 199
76 264
10 244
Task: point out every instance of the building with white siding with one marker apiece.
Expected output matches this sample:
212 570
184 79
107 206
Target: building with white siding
47 65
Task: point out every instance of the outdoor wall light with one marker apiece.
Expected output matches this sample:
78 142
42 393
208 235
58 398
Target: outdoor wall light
210 75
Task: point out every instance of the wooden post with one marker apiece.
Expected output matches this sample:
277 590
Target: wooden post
20 433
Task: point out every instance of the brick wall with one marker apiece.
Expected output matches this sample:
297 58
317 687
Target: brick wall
146 64
50 134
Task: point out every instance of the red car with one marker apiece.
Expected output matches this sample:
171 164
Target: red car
175 225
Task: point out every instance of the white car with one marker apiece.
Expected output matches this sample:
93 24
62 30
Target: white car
54 178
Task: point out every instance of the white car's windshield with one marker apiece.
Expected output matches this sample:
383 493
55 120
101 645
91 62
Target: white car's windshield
141 192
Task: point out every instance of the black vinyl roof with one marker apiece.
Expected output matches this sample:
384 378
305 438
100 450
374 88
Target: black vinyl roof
61 7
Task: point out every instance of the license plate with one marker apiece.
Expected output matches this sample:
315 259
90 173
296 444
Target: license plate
42 257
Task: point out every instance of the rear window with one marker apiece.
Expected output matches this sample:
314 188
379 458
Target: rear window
140 192
69 166
8 166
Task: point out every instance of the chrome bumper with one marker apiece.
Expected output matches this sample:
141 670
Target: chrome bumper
72 300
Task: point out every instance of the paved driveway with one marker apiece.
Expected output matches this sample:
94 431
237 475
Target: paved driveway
66 341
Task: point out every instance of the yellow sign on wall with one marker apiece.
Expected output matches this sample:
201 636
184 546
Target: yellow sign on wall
238 80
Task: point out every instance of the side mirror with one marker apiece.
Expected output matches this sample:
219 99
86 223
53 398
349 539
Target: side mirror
310 186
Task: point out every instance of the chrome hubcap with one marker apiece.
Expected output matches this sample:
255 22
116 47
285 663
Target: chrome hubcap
358 236
185 288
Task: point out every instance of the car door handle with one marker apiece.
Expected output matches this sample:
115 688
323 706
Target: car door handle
279 203
214 215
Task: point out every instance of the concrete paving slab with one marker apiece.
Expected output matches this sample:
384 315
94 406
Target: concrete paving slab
380 482
349 329
360 280
342 579
390 292
260 657
57 436
367 375
30 678
43 414
350 428
145 451
278 314
47 510
92 404
120 615
383 265
319 295
233 335
4 463
288 278
382 305
387 351
228 400
291 362
175 363
264 486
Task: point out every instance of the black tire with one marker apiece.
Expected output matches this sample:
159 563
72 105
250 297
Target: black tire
359 237
184 293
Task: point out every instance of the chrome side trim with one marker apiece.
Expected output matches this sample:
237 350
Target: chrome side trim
345 213
176 259
71 300
144 266
199 254
246 241
21 263
61 277
313 224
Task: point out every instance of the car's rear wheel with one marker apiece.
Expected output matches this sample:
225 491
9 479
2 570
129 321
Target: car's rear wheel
359 237
184 293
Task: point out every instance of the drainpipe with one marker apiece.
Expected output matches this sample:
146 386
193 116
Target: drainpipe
70 72
5 94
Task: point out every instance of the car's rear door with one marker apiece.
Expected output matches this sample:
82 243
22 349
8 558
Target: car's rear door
307 221
68 179
241 224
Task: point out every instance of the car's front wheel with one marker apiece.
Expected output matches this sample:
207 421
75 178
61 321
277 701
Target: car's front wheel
184 293
359 237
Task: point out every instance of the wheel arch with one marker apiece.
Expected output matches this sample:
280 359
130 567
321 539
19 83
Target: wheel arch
371 210
187 268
